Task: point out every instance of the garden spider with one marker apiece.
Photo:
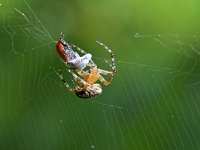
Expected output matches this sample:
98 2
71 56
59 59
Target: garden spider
86 87
70 57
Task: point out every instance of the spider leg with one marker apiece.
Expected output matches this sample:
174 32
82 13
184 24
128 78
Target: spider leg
65 83
78 79
103 80
105 72
113 66
78 48
81 73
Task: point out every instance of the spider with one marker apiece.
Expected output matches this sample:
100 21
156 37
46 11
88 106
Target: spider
70 57
86 87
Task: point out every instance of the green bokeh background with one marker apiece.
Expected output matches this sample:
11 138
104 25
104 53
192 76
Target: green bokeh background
153 101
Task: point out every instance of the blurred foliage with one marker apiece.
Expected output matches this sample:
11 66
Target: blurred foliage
150 103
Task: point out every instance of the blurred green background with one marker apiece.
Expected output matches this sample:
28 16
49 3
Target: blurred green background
153 101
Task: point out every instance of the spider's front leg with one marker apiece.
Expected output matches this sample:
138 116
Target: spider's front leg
65 83
79 81
81 73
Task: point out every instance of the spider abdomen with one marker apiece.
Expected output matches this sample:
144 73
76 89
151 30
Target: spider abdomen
90 92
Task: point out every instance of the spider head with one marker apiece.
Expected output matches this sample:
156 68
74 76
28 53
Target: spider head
90 91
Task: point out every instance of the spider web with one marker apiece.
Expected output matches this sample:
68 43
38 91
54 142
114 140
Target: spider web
152 102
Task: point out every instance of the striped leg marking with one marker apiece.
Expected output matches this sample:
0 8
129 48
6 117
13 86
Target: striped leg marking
113 66
64 82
